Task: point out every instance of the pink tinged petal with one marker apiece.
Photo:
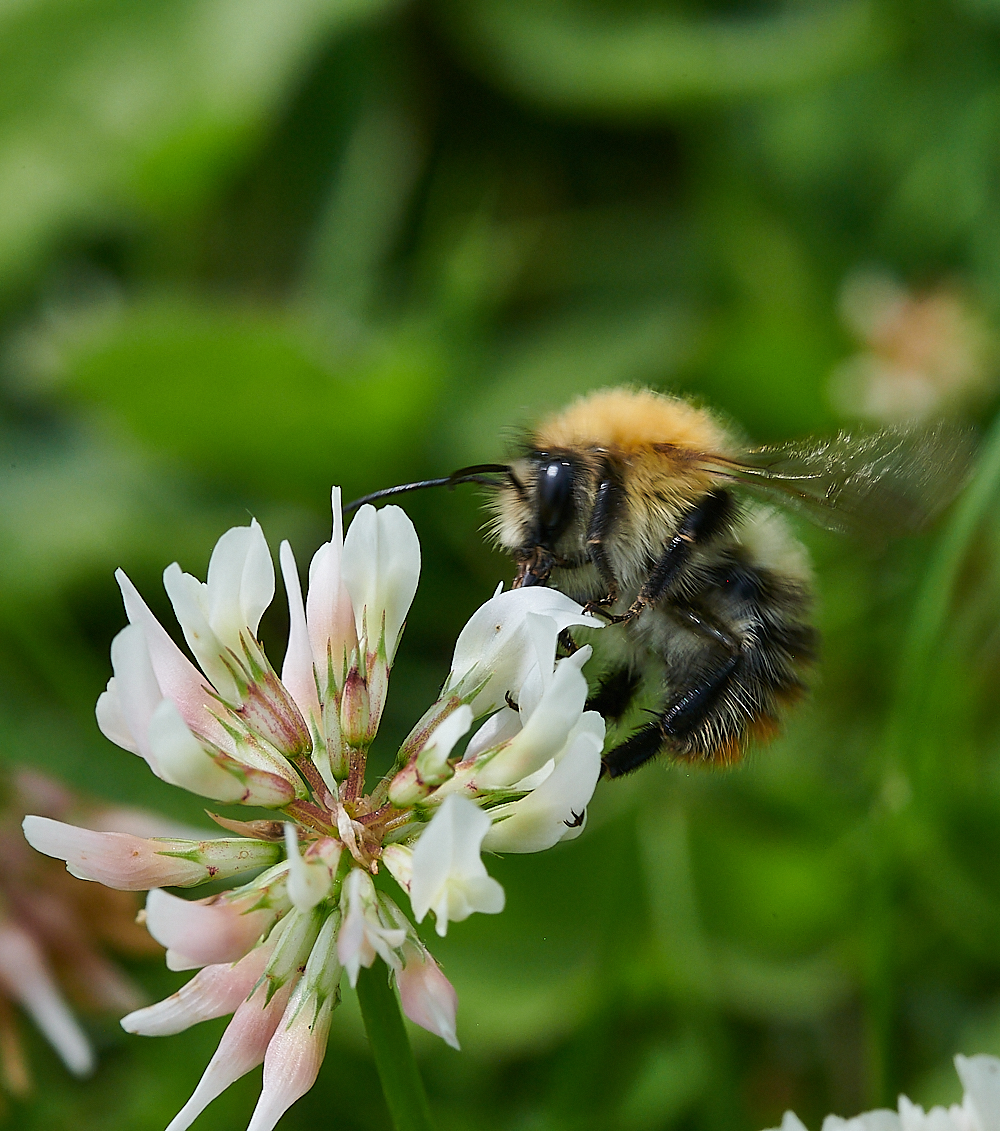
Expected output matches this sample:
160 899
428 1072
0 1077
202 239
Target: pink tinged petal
243 1046
177 677
25 976
546 731
980 1076
205 931
116 860
329 613
554 810
381 567
427 997
212 992
111 719
297 672
179 758
448 876
132 863
293 1059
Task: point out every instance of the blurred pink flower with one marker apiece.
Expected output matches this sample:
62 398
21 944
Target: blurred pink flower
925 353
55 932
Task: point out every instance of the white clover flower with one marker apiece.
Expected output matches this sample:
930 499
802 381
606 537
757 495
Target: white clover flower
978 1111
272 950
448 876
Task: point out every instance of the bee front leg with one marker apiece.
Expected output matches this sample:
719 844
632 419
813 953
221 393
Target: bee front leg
608 505
698 526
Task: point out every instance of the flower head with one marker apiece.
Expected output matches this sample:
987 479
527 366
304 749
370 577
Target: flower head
305 905
978 1111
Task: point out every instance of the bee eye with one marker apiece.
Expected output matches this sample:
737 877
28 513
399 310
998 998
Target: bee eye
554 493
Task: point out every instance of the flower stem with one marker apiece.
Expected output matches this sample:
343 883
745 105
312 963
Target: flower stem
397 1070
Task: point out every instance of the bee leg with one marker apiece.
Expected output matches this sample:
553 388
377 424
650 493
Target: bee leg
608 505
680 719
633 753
616 692
707 519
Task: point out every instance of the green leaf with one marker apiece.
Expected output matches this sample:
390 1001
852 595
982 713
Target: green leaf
583 59
113 104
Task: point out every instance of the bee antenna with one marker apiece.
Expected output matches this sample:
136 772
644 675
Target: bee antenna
477 473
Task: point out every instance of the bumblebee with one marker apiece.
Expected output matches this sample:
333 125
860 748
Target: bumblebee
643 508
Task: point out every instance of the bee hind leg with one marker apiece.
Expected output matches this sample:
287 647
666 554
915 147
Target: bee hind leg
677 727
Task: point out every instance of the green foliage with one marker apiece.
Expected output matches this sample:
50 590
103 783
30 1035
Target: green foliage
252 248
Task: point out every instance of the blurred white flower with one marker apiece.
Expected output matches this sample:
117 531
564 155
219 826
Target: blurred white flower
978 1111
272 950
924 353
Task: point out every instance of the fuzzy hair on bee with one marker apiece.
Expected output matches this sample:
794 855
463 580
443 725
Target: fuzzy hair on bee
617 502
644 508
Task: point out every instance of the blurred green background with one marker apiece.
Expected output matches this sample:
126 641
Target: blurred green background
252 247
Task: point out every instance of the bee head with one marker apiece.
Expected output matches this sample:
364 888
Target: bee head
540 511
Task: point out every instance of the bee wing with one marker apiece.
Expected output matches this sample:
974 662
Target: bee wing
886 483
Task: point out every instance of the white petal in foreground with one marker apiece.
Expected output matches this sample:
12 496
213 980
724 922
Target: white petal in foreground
448 876
293 1058
212 992
555 810
205 931
25 976
132 863
496 648
980 1076
310 878
912 1117
381 567
880 1120
243 1046
546 731
221 616
177 677
363 935
427 997
111 718
790 1122
498 729
240 584
183 761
